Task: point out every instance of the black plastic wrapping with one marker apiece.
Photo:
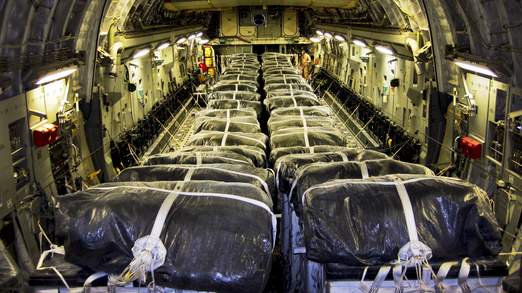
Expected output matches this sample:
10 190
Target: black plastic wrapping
319 111
257 155
231 95
277 87
297 79
209 248
249 72
287 166
279 71
235 104
238 77
216 138
290 137
263 178
235 87
362 222
233 125
277 153
285 102
223 113
282 122
210 157
317 173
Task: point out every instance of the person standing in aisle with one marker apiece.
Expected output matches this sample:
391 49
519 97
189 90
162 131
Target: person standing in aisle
304 64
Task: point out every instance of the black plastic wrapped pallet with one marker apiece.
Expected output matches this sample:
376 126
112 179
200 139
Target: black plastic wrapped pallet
319 111
217 138
277 153
206 244
277 87
210 157
453 217
231 95
287 166
314 136
238 77
286 102
232 125
321 172
276 123
224 113
279 71
235 104
263 178
255 154
235 87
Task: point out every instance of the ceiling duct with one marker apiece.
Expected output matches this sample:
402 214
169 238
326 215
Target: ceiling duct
176 5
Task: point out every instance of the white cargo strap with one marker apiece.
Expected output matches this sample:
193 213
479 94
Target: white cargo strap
311 150
442 273
398 276
149 252
199 159
293 100
305 134
188 175
303 118
364 170
224 139
379 279
463 276
53 248
414 252
233 97
344 157
227 126
238 105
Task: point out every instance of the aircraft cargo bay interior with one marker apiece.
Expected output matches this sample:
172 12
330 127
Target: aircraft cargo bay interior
260 146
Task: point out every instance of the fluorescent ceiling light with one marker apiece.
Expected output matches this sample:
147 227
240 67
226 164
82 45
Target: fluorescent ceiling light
141 53
181 40
203 41
384 50
475 68
198 35
319 32
191 37
328 35
315 39
58 74
359 43
163 45
340 38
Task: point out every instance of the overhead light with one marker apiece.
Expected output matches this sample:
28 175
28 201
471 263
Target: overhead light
315 39
478 68
191 37
203 41
328 35
163 45
340 38
359 43
140 53
181 40
56 75
384 50
319 32
198 35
